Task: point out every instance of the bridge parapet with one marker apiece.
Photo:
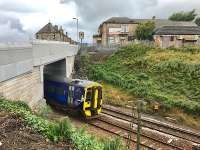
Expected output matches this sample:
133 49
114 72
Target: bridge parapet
46 52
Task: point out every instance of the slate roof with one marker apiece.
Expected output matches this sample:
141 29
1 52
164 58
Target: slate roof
122 20
158 22
48 28
178 30
165 22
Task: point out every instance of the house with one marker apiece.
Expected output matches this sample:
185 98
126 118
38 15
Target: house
121 30
116 30
52 33
177 36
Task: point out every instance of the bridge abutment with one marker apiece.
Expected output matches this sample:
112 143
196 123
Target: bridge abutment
22 68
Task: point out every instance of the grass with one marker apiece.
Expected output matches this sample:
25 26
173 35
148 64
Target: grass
170 76
58 131
116 96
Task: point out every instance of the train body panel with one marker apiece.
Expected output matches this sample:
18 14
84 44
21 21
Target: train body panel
81 95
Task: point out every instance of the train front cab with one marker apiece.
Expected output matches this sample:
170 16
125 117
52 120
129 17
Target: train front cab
92 101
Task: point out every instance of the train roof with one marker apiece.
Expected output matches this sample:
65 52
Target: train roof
78 82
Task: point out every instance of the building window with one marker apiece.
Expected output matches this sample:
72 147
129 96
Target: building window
124 28
172 38
111 40
131 38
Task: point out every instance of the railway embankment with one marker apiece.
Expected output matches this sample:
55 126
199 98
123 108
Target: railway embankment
168 78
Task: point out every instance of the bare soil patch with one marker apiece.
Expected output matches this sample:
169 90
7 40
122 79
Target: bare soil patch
14 135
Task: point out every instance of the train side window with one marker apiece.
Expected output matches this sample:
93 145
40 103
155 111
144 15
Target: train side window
51 89
59 91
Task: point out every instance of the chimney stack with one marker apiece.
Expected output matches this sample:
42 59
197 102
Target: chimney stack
56 27
61 30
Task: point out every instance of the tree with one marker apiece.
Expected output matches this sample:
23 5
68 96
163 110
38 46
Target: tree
144 31
197 21
183 16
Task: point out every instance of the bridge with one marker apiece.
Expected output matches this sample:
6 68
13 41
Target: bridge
23 66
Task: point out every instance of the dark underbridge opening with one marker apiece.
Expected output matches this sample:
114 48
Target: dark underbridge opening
57 69
54 72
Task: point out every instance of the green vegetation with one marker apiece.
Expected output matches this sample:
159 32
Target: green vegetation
197 21
57 131
183 16
44 110
144 31
170 77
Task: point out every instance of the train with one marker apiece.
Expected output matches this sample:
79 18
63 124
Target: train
82 96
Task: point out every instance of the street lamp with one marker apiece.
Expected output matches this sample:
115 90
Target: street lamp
76 26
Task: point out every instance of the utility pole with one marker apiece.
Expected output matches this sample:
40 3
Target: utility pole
139 109
136 114
131 126
76 27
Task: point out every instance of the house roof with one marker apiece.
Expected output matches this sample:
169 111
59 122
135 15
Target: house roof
48 28
158 22
122 20
165 22
178 30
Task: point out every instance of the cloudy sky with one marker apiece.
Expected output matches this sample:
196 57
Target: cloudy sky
20 19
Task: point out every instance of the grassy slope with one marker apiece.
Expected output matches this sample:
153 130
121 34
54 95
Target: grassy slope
59 131
171 76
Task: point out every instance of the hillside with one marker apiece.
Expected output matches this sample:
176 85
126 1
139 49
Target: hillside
170 77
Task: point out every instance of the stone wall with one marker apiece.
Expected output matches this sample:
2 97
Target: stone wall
26 87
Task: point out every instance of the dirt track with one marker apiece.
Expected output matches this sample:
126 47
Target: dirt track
15 136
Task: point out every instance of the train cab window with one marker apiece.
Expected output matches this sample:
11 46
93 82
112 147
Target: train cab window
60 91
100 93
51 89
89 95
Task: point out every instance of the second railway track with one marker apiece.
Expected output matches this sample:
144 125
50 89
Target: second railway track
155 125
153 136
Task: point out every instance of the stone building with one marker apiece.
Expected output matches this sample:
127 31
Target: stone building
116 30
121 30
177 36
53 33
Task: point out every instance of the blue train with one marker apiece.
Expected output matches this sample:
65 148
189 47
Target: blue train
81 95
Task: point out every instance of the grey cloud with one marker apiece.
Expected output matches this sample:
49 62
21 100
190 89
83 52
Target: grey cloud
16 6
11 30
14 22
93 10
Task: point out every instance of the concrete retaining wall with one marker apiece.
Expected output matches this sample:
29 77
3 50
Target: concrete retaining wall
26 87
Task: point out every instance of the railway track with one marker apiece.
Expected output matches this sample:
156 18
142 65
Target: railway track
119 132
155 125
153 135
